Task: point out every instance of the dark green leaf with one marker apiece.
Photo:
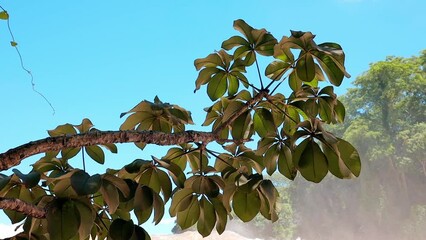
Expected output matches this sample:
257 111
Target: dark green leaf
121 229
305 68
285 163
310 160
30 180
84 184
136 165
63 219
241 128
246 205
207 218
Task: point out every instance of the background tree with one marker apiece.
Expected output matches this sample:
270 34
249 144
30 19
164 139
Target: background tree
386 113
56 200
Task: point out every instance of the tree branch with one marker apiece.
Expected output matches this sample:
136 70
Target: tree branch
22 207
14 156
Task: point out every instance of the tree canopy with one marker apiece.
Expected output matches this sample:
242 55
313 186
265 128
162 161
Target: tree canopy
386 113
56 200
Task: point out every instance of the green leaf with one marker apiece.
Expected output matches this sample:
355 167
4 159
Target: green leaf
68 153
221 215
325 110
250 58
177 198
4 15
85 125
87 218
340 112
121 229
96 153
332 70
110 195
143 198
212 60
276 69
63 219
268 189
242 126
305 68
119 183
241 26
111 147
62 130
175 172
270 159
310 161
190 215
158 205
150 178
217 86
233 42
204 185
294 82
166 185
343 160
246 205
205 76
84 184
136 165
143 214
285 163
207 218
264 123
140 234
30 180
233 84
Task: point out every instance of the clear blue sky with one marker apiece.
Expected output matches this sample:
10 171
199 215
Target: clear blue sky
96 59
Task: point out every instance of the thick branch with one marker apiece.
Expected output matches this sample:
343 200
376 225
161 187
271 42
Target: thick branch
22 207
14 156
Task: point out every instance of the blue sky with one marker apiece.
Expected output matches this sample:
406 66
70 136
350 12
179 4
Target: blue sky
96 59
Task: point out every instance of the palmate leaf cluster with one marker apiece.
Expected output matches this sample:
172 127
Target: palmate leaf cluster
288 129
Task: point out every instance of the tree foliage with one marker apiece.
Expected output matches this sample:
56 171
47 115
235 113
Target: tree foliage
65 202
386 113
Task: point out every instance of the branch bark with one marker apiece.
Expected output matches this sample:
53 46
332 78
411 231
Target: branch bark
22 207
14 156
